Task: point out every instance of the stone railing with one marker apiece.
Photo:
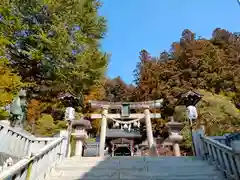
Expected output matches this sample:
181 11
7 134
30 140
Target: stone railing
227 139
19 144
226 159
38 166
221 139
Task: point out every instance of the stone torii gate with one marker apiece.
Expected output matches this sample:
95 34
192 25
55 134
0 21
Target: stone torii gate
126 115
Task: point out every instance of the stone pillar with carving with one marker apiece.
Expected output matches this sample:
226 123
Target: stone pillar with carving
64 134
174 136
103 131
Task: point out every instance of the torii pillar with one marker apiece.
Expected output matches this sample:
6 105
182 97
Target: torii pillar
148 123
103 131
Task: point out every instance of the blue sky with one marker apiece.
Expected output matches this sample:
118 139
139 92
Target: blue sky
153 25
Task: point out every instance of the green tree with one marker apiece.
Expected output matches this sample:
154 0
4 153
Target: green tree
219 114
45 126
10 82
53 42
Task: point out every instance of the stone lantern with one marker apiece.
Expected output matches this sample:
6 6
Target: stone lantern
80 133
70 101
174 129
190 100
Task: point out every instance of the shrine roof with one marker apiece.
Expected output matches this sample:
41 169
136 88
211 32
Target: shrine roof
66 95
118 133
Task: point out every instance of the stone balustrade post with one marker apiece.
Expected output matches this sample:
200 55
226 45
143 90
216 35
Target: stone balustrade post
4 143
64 134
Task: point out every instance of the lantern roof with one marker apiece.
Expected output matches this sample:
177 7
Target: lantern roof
189 98
82 122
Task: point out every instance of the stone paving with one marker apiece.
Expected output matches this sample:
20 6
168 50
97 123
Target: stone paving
135 168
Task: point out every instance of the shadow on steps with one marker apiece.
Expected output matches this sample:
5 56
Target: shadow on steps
135 168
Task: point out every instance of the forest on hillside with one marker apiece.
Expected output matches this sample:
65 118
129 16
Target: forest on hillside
49 48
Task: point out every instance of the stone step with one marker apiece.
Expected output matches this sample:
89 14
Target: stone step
132 163
140 172
136 162
135 168
136 159
137 176
103 172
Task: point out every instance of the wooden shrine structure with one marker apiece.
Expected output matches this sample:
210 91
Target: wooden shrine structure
122 143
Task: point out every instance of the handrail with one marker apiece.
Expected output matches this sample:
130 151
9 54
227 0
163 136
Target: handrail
222 156
32 137
2 125
19 144
48 147
221 139
36 167
227 138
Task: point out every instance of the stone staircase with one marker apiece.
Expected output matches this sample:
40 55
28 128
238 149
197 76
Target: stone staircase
135 168
44 159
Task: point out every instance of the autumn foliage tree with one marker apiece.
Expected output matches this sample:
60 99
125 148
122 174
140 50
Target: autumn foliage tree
211 66
195 63
192 63
117 90
33 113
112 90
